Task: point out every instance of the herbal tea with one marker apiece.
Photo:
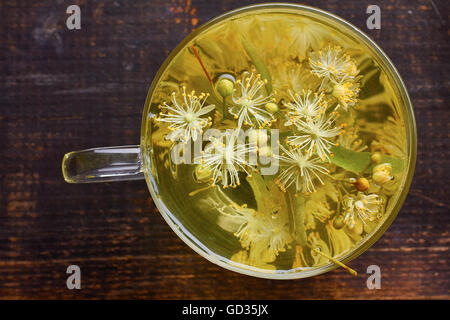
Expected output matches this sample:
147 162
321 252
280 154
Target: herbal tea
277 142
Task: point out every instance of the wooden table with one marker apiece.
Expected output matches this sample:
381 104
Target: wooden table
62 90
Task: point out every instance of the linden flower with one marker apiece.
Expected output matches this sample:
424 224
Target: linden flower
319 209
316 135
246 108
273 238
346 92
350 140
262 234
382 173
306 34
338 239
185 118
225 160
301 169
249 225
291 76
390 137
309 106
366 207
332 64
318 203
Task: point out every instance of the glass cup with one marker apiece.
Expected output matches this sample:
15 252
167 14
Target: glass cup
133 162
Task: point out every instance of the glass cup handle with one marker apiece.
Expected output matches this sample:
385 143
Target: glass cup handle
103 165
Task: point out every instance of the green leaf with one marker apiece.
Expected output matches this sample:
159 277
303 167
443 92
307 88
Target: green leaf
358 161
350 160
258 62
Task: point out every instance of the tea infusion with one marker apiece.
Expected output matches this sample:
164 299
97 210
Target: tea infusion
340 144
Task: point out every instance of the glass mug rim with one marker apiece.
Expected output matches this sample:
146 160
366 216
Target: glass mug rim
132 163
409 121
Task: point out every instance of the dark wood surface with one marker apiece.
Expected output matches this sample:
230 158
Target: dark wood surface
64 90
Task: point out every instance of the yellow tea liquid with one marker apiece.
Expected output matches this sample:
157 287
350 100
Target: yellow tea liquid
341 141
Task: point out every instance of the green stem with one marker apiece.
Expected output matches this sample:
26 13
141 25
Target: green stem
367 167
350 270
224 108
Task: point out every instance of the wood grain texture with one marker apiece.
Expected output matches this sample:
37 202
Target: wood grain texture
64 90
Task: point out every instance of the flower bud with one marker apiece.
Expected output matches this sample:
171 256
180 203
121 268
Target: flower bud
271 107
382 173
362 184
225 86
376 157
